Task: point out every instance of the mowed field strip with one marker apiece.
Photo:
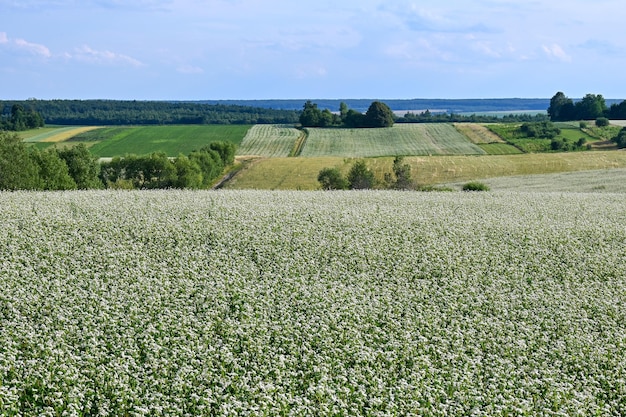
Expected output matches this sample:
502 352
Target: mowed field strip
270 140
59 134
401 139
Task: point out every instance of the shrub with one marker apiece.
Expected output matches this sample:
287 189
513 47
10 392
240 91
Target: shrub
331 179
360 177
475 186
602 122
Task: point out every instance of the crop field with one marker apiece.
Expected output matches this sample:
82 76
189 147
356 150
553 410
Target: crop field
401 139
270 140
478 133
59 134
594 181
141 140
184 303
301 173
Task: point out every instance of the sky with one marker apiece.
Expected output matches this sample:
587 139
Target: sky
292 49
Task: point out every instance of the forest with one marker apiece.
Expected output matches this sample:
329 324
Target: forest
117 112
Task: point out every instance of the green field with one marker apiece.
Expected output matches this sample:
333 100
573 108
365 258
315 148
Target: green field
401 139
363 303
270 140
301 173
173 140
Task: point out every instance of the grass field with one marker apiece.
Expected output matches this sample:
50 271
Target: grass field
401 139
478 133
60 134
301 173
595 181
270 140
119 141
368 303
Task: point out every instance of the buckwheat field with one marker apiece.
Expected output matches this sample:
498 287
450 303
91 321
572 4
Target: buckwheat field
377 303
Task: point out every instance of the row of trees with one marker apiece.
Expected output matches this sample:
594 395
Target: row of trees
591 107
378 115
20 119
360 177
28 168
197 170
125 112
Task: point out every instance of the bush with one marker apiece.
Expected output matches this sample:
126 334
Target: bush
602 122
360 177
475 186
331 179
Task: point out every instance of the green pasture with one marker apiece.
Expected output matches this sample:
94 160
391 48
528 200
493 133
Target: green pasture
173 140
401 139
270 140
301 173
499 148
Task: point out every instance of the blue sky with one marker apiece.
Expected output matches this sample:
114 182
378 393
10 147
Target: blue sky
253 49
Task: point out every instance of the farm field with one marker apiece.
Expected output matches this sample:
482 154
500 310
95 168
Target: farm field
142 140
312 303
56 134
595 181
301 173
401 139
270 140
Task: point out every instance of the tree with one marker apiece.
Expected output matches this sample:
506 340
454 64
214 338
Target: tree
18 170
311 115
331 179
225 150
379 115
403 174
360 177
82 166
561 108
210 164
189 174
591 107
53 171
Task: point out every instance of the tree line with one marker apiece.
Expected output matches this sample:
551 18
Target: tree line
19 118
378 115
125 112
29 168
591 107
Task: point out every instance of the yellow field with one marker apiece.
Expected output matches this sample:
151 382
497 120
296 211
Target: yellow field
478 133
54 135
301 173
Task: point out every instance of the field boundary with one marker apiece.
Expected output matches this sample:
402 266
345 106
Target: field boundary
300 143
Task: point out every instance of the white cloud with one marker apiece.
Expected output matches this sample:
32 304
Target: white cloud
556 51
3 38
33 48
87 54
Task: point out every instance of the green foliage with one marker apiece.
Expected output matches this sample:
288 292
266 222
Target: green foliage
82 166
379 115
602 122
18 170
360 176
539 130
189 173
331 179
225 150
475 186
620 139
21 119
402 173
131 112
53 171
